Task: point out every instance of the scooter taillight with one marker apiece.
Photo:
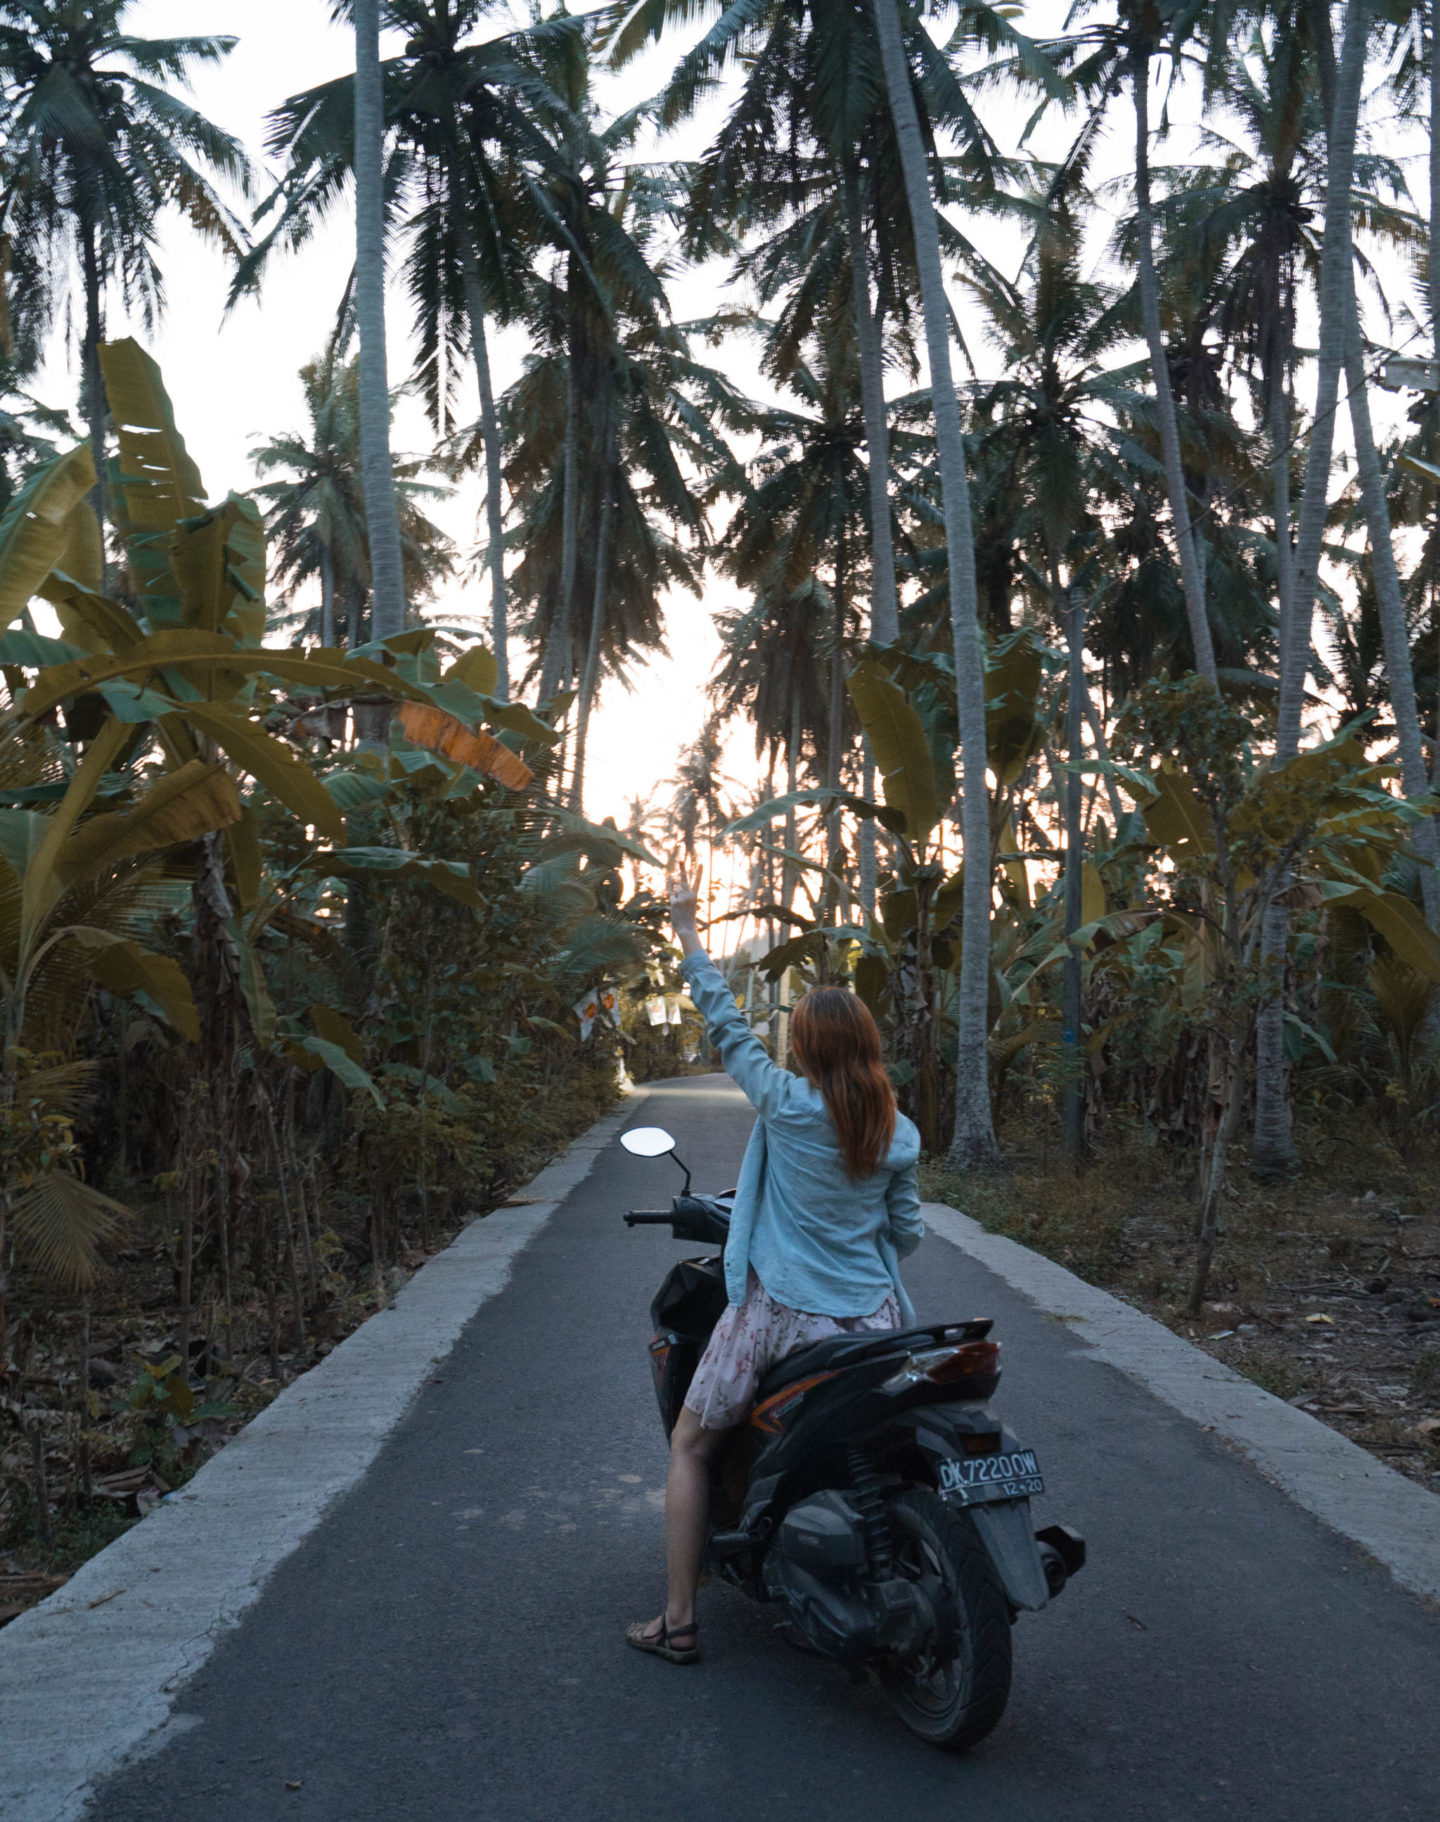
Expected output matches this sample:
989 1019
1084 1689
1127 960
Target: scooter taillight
947 1366
971 1360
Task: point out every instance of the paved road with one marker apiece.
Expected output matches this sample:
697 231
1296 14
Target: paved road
446 1646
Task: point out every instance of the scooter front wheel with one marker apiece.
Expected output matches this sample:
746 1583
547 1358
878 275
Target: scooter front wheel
953 1700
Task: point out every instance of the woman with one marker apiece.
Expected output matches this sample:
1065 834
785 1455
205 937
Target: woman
826 1207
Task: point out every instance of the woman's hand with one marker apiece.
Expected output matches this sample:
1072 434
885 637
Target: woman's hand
684 902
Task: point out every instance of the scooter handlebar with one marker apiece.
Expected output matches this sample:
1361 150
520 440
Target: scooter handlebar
639 1217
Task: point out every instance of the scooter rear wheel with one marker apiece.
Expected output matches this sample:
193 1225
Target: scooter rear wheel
951 1701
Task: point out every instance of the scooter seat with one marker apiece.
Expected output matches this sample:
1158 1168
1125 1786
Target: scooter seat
837 1351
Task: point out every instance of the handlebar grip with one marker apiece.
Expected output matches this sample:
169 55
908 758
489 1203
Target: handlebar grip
639 1218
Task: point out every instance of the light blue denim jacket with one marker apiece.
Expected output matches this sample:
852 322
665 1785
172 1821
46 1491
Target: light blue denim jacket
818 1239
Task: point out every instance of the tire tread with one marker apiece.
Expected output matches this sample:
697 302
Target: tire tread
985 1614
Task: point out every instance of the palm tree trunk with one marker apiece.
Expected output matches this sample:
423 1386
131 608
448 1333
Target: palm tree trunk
1394 632
792 775
555 672
355 615
91 380
597 625
490 437
974 1140
1279 416
1272 1145
1434 273
884 599
327 597
332 719
1335 314
884 602
834 746
1071 981
381 512
835 730
869 868
1191 577
1435 295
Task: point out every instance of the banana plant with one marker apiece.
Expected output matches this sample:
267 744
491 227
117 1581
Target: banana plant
167 702
75 903
1228 830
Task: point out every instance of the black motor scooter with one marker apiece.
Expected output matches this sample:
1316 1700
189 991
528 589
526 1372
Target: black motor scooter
872 1495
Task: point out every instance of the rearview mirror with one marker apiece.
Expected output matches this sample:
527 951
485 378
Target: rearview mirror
647 1141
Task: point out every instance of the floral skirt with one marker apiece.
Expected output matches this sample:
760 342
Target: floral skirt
749 1340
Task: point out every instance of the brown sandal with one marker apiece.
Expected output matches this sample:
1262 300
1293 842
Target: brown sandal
663 1644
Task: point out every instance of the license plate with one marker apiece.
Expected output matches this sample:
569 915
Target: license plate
977 1478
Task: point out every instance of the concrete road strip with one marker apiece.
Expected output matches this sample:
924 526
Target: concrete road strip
91 1673
1394 1519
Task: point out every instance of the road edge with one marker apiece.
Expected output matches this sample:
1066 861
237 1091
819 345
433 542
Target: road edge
88 1677
1391 1518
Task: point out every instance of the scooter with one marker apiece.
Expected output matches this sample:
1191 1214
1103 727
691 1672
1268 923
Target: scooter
872 1496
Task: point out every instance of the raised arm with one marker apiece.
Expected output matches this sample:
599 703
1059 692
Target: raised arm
765 1085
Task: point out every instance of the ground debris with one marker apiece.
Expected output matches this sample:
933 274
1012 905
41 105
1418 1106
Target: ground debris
1315 1296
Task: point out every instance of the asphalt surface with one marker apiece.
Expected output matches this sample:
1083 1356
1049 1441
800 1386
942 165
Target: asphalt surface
447 1644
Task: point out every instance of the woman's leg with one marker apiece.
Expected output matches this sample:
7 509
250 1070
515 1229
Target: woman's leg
687 1512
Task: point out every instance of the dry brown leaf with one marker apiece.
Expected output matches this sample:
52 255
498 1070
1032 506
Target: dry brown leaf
430 727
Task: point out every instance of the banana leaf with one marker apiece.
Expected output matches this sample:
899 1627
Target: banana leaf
902 751
1398 920
312 1053
452 877
478 668
1176 819
335 1028
443 733
1013 730
35 528
125 969
273 765
179 807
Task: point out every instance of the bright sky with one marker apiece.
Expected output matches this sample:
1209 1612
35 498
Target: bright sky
235 381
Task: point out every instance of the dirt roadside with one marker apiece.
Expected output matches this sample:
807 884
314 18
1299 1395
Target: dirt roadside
1326 1289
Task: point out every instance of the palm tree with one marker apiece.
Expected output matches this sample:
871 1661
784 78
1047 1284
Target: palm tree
451 105
1039 429
96 145
611 453
1101 62
1273 1147
809 135
316 516
1336 314
974 1140
800 535
611 499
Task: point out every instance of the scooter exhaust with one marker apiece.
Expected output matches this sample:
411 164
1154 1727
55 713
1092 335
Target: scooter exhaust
1062 1552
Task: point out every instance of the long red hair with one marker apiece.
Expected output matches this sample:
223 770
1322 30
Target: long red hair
837 1045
